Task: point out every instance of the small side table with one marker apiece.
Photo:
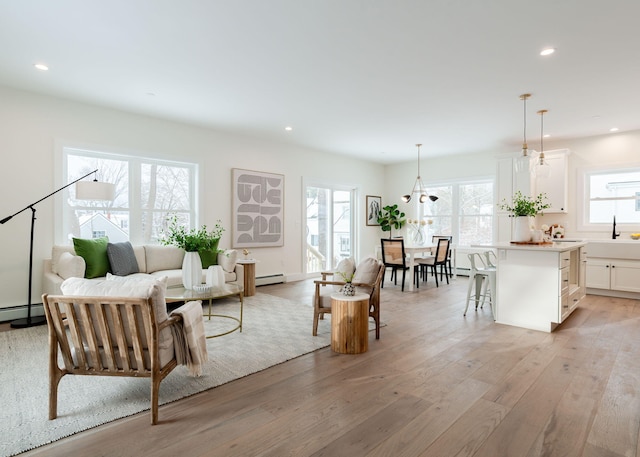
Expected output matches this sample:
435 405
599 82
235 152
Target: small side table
350 323
249 276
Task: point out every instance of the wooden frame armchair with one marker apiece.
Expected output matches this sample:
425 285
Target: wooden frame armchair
322 302
106 336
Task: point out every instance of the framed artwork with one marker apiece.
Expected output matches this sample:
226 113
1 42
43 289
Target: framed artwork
257 209
373 207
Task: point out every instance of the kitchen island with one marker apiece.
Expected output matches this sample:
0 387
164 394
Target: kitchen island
538 286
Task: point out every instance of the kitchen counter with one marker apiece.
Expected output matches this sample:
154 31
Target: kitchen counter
538 286
556 246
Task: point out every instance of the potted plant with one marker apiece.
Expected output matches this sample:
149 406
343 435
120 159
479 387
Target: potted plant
391 217
201 246
522 208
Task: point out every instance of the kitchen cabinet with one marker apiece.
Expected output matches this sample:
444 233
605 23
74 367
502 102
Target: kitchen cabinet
538 286
613 268
613 274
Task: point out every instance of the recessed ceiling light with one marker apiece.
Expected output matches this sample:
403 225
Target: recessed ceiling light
41 66
614 129
288 128
546 135
547 51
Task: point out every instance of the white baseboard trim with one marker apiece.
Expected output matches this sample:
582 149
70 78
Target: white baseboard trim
20 312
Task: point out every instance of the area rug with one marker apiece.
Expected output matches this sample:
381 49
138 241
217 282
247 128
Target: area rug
274 330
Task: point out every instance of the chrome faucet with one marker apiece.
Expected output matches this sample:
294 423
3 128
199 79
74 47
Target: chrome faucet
614 234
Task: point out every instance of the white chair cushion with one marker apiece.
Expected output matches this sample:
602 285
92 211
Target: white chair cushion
136 287
345 267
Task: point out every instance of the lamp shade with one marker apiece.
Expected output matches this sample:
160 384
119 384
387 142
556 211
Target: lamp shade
95 190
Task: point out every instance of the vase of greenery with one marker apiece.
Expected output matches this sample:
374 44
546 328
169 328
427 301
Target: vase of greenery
194 242
391 217
348 289
523 208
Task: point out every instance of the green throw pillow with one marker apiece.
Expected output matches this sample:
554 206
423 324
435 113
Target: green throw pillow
208 258
94 253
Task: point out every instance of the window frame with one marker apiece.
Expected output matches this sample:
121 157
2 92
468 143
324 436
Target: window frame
456 215
583 198
135 160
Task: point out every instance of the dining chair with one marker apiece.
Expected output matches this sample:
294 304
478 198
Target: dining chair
434 240
394 257
438 259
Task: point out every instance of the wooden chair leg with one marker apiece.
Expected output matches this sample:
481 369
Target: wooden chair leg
155 393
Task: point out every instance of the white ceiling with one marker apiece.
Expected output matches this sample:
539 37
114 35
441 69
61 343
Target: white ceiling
368 78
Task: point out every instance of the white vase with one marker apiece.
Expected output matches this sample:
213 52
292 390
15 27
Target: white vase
522 229
191 270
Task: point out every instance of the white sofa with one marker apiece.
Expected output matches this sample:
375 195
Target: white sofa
152 259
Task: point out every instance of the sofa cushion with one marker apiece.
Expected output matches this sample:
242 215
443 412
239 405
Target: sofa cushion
163 258
122 259
71 266
134 286
227 260
94 253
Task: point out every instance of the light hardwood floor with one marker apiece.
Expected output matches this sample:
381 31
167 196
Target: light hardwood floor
435 384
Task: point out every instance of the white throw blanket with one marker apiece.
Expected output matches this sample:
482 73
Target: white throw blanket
189 340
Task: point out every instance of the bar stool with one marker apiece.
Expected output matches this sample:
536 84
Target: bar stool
483 275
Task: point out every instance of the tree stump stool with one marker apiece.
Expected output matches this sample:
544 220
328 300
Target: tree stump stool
350 323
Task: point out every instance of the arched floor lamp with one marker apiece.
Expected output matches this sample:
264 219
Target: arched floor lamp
90 190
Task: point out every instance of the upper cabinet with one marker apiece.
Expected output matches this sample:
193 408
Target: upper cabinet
555 186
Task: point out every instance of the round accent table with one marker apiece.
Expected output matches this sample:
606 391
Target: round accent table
249 276
350 323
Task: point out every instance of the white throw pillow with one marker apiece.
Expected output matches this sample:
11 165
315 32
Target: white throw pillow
159 258
346 266
366 273
137 287
70 266
227 260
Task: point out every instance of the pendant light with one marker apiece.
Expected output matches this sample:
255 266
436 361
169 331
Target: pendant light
523 163
419 187
543 169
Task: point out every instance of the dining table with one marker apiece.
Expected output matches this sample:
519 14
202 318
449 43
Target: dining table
411 251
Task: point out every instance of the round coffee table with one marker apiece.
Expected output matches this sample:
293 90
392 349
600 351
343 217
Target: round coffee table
177 294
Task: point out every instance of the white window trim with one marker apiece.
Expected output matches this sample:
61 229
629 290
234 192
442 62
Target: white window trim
583 197
60 173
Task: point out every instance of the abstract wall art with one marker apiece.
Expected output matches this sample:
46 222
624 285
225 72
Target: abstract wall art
258 209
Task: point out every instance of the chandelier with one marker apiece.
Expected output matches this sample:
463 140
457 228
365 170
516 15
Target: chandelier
418 187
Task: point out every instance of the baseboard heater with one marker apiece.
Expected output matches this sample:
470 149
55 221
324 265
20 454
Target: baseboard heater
270 279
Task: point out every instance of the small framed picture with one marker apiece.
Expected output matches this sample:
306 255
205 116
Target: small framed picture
373 207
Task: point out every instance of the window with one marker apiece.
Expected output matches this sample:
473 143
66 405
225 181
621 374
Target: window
463 210
612 193
329 227
147 192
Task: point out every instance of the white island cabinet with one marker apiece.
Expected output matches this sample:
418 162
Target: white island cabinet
538 286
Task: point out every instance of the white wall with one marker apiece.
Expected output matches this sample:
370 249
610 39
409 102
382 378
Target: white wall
31 126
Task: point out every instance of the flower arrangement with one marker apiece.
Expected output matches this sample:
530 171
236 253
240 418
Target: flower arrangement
194 239
524 205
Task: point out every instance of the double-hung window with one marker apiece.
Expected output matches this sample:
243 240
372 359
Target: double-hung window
148 191
463 210
609 193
